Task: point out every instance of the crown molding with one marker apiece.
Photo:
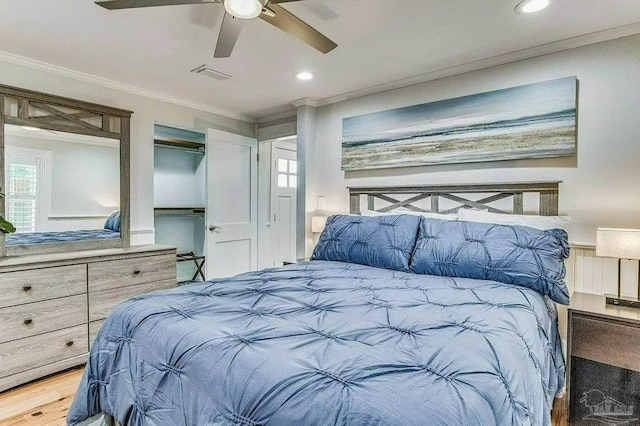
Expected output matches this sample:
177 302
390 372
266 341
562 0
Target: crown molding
116 85
545 49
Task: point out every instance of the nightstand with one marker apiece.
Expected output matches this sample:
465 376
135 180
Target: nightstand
603 362
293 262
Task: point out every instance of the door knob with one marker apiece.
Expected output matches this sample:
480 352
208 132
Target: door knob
214 228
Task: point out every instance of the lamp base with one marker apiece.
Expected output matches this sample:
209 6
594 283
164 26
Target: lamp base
620 301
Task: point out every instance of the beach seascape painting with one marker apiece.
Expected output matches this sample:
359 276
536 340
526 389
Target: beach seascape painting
532 121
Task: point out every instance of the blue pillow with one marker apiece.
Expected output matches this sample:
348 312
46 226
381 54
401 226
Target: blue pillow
113 222
509 254
380 241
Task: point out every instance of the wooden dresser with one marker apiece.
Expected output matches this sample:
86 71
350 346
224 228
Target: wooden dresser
52 306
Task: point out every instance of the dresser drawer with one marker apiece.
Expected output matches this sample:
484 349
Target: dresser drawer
101 303
128 272
606 342
17 288
32 352
18 322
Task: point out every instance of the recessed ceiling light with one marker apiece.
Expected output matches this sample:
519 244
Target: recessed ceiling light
30 129
304 75
531 6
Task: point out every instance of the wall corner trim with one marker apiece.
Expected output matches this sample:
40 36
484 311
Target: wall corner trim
305 102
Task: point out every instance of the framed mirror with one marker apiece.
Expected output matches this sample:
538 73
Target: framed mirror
64 171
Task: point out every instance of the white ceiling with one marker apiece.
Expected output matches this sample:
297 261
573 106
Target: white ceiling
379 41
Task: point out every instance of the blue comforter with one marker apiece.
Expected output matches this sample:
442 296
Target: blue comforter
60 236
324 343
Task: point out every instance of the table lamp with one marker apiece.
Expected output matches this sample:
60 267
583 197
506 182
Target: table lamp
620 244
318 223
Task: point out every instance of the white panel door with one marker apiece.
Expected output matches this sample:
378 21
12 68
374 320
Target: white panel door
232 204
284 182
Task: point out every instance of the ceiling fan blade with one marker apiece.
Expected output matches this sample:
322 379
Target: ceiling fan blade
133 4
291 24
228 36
281 1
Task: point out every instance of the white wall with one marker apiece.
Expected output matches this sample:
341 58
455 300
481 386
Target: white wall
146 110
186 233
179 181
83 179
179 178
600 186
277 128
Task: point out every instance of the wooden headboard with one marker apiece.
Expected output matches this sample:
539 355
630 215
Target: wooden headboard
546 191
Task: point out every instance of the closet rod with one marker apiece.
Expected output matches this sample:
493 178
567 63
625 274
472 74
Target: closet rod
180 214
177 148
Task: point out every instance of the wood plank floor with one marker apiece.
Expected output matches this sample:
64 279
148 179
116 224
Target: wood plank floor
40 403
45 402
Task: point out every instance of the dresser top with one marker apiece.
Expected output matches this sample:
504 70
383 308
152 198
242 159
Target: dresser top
593 304
84 256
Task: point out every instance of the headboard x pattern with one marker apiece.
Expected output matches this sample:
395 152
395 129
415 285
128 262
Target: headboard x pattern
547 192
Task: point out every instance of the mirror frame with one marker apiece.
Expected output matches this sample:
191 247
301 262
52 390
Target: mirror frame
59 120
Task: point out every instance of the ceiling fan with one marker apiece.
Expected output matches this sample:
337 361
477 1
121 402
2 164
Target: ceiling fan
237 12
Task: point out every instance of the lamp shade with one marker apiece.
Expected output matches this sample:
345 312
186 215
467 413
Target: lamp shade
618 243
244 9
318 223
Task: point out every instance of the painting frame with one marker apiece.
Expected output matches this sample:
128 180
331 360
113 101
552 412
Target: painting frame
532 121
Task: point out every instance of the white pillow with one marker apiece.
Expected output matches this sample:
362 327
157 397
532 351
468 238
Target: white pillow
538 222
440 216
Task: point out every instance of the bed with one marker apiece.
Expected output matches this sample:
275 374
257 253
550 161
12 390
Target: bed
61 236
111 231
335 342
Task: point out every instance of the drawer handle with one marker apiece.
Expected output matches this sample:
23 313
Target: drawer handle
28 321
70 343
136 272
26 288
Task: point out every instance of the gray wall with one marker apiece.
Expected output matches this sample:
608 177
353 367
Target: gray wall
147 111
600 185
83 179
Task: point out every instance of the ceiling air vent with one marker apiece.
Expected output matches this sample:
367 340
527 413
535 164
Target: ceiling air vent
210 72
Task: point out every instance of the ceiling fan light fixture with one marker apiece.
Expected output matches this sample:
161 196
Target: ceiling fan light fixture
531 6
304 75
243 9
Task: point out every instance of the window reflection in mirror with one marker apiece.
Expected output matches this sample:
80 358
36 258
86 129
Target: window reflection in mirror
60 187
